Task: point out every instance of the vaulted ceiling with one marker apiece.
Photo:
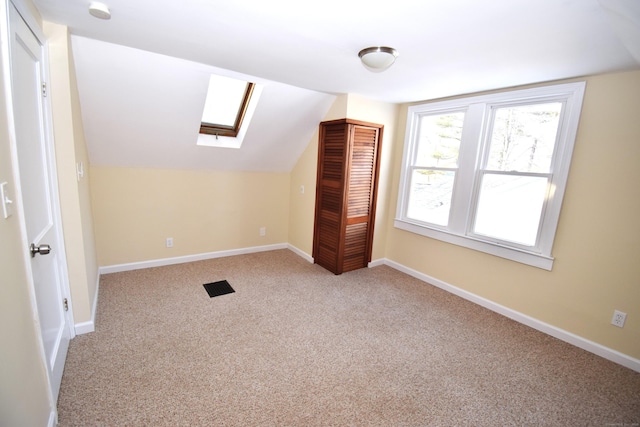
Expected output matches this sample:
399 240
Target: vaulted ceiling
142 74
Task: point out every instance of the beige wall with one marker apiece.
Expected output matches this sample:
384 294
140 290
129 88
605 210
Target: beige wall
597 247
302 205
75 196
136 209
24 399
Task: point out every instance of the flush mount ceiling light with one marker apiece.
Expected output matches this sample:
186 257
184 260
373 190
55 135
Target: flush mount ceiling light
378 58
99 10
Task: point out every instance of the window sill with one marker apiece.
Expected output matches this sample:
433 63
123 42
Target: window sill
529 258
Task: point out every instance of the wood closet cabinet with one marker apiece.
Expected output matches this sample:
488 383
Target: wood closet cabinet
346 189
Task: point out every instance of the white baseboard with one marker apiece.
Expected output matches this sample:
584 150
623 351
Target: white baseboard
188 258
561 334
300 253
376 262
85 327
90 326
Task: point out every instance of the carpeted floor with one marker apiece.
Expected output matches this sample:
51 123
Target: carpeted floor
297 346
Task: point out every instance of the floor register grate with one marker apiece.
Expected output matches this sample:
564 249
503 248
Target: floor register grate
216 289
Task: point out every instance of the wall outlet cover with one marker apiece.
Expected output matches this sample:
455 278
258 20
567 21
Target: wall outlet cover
618 318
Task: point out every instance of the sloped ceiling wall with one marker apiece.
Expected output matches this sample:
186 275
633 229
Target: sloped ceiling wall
142 109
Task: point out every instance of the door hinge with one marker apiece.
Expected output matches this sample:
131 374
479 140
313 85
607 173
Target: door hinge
44 89
65 304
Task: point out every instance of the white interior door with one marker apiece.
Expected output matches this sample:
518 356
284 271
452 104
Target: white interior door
38 191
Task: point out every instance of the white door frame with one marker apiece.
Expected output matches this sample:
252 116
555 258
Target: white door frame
31 22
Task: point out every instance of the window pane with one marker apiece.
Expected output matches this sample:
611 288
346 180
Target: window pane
439 141
224 98
509 207
523 138
430 196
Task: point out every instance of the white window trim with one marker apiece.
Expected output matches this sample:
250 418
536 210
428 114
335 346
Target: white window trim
478 109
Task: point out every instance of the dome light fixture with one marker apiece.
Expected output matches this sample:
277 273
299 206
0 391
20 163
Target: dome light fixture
379 58
99 10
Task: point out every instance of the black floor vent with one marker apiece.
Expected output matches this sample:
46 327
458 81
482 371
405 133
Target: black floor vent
216 289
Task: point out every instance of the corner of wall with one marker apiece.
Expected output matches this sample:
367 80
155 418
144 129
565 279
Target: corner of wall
302 205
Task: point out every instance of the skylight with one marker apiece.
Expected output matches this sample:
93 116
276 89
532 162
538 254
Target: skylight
225 106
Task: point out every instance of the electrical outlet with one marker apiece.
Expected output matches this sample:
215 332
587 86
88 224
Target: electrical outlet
618 318
169 242
263 231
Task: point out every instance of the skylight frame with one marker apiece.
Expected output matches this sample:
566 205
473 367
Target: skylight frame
217 129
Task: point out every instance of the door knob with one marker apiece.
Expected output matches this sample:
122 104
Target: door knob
40 249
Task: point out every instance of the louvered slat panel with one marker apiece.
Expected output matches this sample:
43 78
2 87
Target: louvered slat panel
332 156
326 258
327 253
354 247
361 171
334 153
331 199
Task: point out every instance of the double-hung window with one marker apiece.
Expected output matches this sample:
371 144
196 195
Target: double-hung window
489 172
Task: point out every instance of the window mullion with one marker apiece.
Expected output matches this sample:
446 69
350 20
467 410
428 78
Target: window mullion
464 184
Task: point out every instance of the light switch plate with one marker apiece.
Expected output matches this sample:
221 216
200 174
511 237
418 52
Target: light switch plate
79 170
5 200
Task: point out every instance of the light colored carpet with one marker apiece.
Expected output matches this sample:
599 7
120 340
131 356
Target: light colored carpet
297 346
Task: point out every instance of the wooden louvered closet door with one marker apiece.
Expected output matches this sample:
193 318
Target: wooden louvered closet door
348 158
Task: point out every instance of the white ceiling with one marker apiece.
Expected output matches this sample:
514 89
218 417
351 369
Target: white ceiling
310 48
